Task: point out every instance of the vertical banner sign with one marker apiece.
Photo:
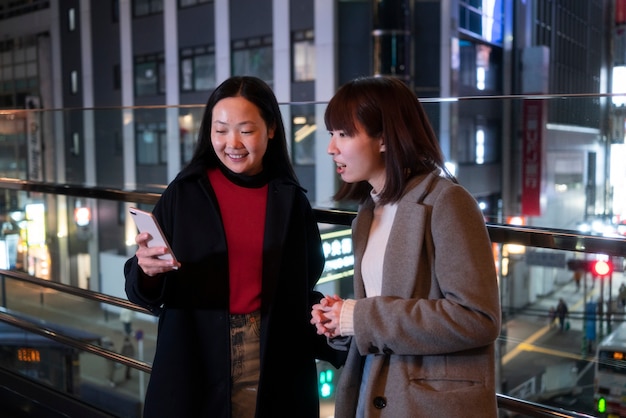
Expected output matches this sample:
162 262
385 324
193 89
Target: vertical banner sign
620 12
532 157
33 137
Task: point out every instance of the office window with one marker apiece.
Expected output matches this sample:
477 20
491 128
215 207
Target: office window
303 128
19 74
151 143
482 18
303 56
480 66
197 68
189 3
147 7
254 56
478 141
75 144
74 82
149 75
71 19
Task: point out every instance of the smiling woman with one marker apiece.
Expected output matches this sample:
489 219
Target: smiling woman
239 135
249 255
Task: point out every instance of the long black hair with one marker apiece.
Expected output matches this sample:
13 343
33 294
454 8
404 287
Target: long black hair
276 161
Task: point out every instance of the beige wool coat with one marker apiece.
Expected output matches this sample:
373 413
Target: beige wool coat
434 327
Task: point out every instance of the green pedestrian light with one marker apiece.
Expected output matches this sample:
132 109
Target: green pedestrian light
326 384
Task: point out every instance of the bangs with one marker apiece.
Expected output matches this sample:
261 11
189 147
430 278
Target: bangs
341 113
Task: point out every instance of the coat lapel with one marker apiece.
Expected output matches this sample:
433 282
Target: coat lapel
280 197
408 231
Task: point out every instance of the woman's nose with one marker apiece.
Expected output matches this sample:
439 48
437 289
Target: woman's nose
233 141
331 149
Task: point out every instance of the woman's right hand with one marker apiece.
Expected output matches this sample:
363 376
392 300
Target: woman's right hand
147 257
326 314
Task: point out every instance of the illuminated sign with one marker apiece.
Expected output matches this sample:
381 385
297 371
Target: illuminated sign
36 226
337 246
28 355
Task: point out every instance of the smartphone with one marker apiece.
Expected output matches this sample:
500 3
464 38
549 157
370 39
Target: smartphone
146 222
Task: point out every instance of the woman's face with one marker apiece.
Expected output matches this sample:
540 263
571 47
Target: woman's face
239 135
358 157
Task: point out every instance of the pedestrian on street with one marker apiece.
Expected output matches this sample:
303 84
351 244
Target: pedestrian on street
578 275
561 313
551 316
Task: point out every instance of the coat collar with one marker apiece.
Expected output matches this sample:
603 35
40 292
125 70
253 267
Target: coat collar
410 226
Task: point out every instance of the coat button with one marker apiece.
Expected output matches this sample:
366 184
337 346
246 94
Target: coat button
380 402
373 349
387 350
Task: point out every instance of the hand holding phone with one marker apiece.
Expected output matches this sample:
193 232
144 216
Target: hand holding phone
146 222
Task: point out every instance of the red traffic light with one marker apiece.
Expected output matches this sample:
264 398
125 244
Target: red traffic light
601 268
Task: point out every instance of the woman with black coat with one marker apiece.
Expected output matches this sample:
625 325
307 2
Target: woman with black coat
234 338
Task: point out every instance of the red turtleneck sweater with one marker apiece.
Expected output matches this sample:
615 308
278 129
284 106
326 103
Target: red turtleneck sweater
243 214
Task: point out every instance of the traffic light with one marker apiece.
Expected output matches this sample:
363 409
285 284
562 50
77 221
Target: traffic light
326 384
600 268
602 405
597 268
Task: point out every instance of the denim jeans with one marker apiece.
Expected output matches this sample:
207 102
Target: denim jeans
245 330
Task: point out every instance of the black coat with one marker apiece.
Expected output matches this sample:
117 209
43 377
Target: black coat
191 369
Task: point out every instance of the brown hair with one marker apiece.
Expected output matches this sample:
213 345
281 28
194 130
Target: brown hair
386 107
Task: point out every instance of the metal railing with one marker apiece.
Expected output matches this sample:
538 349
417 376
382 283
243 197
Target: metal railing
499 233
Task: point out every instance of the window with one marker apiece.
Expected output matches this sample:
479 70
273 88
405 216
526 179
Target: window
482 18
75 144
74 82
189 3
147 7
303 127
71 19
479 67
151 142
149 75
19 74
303 56
478 141
254 56
197 68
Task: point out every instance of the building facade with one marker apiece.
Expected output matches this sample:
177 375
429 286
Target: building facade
119 88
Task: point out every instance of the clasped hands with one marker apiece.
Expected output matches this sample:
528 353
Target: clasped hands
325 316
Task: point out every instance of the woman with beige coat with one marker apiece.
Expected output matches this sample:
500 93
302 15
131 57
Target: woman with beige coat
421 327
